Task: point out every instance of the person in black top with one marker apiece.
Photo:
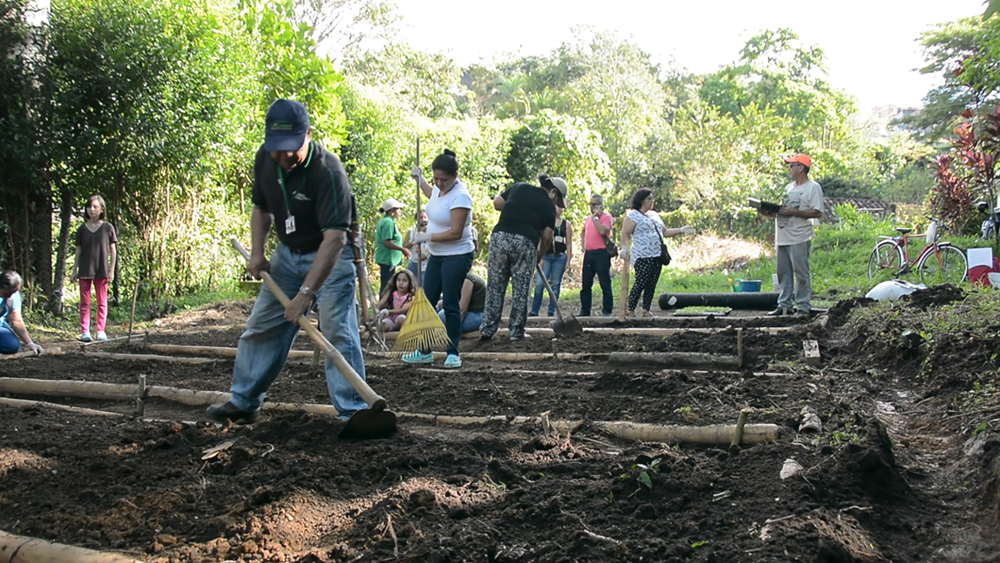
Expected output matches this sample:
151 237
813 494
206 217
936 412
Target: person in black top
520 239
302 188
554 263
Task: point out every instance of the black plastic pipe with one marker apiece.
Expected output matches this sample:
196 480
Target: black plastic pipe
736 300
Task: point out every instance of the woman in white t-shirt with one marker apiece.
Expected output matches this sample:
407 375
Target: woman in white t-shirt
449 242
643 229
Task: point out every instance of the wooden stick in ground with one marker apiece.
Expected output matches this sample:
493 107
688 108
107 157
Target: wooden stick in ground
740 427
623 298
22 549
131 317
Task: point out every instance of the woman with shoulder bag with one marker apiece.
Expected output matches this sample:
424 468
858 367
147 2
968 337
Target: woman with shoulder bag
642 243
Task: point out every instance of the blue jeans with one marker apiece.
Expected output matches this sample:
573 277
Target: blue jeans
9 344
443 280
553 267
470 323
264 345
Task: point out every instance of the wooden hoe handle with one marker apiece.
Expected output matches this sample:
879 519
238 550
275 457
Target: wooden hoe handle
367 394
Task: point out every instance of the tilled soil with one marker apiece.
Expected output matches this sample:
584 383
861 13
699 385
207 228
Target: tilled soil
879 483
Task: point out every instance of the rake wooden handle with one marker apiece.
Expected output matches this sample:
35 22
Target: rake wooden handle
364 391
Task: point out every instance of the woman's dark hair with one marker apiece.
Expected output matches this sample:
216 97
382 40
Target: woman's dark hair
640 196
9 279
446 162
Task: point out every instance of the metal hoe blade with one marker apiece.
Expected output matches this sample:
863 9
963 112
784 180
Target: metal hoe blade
370 424
567 327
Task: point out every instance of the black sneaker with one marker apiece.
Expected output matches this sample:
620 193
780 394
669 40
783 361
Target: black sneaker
223 412
532 314
780 311
802 313
485 338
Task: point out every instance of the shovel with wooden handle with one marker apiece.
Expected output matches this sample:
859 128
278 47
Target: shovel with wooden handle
375 422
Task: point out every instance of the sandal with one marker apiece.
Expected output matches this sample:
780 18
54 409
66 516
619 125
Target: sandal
630 314
646 314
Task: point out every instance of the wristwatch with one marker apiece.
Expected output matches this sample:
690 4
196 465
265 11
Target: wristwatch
304 290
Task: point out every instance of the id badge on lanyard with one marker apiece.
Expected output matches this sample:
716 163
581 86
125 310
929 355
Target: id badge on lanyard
290 220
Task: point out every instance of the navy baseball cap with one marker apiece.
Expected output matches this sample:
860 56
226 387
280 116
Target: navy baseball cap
285 126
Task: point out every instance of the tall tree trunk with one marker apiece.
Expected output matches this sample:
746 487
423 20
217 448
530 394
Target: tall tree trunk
40 244
65 221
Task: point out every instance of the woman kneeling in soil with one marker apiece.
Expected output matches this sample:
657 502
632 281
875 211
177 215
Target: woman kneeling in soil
11 325
643 228
520 239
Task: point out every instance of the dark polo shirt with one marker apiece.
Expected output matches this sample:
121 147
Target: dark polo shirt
317 193
527 211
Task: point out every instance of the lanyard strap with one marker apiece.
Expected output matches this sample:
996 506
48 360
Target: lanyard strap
302 184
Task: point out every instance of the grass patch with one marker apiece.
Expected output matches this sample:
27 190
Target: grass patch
68 326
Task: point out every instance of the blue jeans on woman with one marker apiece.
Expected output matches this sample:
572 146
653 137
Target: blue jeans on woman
9 344
443 280
264 346
553 268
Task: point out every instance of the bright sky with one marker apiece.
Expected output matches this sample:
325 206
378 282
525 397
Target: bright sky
871 46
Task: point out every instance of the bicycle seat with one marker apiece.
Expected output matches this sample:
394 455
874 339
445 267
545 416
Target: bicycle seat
903 230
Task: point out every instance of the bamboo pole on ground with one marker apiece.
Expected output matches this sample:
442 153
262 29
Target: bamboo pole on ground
710 435
54 351
88 345
626 331
675 359
491 356
7 401
22 549
149 357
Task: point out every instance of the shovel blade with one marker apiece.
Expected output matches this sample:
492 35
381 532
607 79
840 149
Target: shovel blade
568 327
370 424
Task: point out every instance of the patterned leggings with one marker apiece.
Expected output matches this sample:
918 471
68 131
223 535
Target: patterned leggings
512 258
647 273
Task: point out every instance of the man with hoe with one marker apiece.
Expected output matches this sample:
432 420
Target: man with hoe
793 234
303 189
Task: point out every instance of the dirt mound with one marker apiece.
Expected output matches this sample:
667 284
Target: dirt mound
936 295
838 313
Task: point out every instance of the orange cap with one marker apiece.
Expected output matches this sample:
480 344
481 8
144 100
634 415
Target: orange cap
802 159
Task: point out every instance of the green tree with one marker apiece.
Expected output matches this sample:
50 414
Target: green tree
426 84
775 71
25 193
619 96
561 145
965 54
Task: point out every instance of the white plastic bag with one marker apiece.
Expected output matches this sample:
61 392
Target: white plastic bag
892 290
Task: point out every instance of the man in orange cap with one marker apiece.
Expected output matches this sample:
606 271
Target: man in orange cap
793 234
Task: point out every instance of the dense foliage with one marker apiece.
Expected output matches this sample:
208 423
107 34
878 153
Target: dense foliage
158 106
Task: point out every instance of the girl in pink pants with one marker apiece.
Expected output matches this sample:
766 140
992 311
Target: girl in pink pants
96 252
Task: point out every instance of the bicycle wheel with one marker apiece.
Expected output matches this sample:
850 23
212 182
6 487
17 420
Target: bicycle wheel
884 263
946 265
